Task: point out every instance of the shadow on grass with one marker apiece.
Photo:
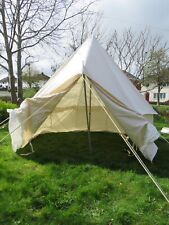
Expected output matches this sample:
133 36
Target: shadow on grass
109 151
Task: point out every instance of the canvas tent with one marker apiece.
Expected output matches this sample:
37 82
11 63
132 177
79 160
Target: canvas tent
88 92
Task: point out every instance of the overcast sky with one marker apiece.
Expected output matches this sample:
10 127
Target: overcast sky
137 14
122 14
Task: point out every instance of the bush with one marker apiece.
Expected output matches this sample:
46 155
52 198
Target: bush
5 98
3 109
163 109
163 113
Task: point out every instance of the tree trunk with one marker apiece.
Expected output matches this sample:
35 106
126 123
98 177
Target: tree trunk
9 55
19 77
30 84
12 81
158 95
19 57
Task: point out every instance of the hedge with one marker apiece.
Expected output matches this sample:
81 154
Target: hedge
163 113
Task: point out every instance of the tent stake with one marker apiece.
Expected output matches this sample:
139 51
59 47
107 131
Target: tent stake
88 114
164 139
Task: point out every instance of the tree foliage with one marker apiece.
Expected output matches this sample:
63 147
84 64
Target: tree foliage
157 70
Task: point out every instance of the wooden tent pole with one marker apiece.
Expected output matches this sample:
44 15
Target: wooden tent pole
88 114
90 105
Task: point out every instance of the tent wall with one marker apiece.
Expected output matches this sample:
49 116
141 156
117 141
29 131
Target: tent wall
139 129
66 112
100 67
26 120
70 115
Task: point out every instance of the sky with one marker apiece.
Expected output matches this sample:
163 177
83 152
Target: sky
120 15
137 14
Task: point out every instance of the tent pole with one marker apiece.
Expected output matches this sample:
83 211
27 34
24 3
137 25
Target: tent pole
90 104
130 147
88 114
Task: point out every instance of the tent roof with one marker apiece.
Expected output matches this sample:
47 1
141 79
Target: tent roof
92 60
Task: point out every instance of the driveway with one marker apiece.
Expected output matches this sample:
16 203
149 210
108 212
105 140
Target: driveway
4 94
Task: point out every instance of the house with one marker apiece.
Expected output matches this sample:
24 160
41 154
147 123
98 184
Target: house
4 82
151 92
39 81
134 80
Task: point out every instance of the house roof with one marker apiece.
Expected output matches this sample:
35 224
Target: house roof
5 78
131 76
44 76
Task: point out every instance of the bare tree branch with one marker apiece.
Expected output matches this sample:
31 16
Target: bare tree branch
28 23
130 49
4 67
1 56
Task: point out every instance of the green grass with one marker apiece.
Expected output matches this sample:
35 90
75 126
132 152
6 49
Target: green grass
62 183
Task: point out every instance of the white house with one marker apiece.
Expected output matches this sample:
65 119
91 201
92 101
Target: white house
4 81
150 92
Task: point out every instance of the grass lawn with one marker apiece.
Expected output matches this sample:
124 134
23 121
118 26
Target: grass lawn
63 184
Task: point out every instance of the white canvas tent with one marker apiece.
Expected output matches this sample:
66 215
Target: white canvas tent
89 86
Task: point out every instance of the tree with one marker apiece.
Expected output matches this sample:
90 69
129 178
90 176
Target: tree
157 70
28 23
33 77
87 25
130 50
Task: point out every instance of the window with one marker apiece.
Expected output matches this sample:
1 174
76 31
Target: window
162 95
155 95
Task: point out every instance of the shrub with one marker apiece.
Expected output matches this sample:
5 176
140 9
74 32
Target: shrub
5 98
3 109
162 109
